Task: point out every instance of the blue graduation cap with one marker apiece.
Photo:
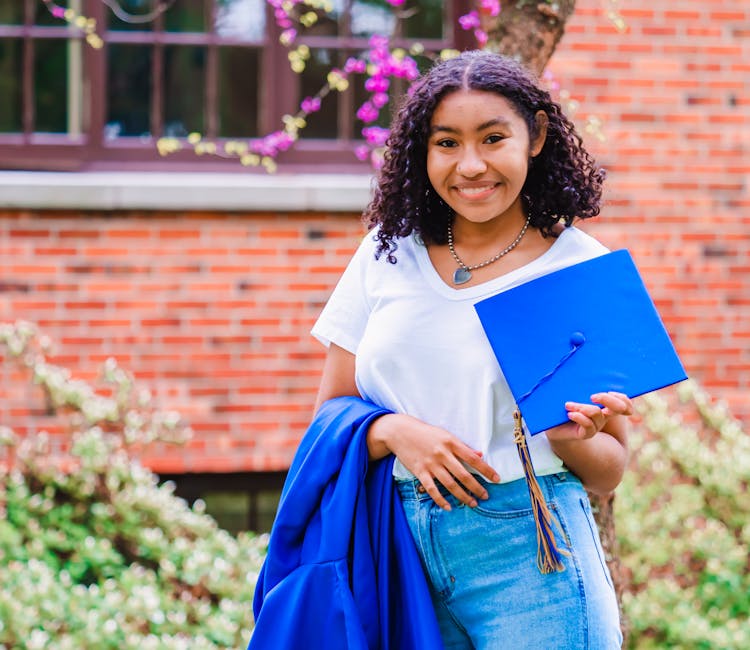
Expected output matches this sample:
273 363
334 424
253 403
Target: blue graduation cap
587 328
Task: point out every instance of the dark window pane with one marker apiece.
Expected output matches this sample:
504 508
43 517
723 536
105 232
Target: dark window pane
11 12
186 16
372 17
128 90
238 91
51 85
138 10
43 16
241 19
427 21
11 54
184 84
324 123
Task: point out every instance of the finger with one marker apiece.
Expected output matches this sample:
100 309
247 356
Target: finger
428 483
586 426
567 431
614 403
449 482
468 480
474 460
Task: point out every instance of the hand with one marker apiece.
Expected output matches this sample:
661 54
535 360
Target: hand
586 420
432 453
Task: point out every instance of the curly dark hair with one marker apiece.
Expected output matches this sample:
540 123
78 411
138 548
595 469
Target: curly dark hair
563 183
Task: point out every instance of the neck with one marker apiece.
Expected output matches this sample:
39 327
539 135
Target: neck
488 234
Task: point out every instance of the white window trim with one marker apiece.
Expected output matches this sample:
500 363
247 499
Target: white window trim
184 191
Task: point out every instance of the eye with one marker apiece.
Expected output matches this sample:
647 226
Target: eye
494 138
446 143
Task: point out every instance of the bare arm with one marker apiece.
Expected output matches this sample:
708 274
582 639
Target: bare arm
594 444
429 452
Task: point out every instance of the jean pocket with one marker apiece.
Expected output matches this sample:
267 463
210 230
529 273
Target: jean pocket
594 530
502 513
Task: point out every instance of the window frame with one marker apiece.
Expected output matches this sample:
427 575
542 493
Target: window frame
91 151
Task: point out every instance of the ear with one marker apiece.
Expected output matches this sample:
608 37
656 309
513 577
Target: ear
537 143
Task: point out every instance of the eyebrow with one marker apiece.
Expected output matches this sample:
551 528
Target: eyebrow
496 121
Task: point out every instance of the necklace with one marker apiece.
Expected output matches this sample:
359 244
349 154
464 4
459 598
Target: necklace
463 273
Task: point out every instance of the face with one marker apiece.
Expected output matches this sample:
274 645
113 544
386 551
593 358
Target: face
478 154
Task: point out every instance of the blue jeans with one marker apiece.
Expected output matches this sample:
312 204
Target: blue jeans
481 566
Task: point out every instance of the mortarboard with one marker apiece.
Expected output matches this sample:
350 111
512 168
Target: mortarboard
587 328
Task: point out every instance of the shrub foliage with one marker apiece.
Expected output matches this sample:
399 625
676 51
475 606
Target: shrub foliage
94 553
683 522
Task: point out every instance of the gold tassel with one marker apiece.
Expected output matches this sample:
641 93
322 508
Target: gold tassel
549 557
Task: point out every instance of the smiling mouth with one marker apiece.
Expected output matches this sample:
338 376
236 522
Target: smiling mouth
476 192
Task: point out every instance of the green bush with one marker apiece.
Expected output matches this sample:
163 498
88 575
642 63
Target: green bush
97 554
683 523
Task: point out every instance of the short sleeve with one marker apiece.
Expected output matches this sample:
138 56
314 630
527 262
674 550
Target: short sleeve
344 317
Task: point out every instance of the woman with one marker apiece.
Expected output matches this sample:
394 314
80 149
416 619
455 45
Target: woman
482 179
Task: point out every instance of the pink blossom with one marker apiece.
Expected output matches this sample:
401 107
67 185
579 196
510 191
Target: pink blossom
288 36
378 42
375 135
491 7
379 99
395 3
481 37
58 12
469 21
367 112
272 144
310 104
362 152
377 84
355 65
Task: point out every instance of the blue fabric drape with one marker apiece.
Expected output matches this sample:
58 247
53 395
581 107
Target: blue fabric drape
342 571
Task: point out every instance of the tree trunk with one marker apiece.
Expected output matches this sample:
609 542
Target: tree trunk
603 508
528 31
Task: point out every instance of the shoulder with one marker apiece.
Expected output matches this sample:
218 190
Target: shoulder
369 249
575 241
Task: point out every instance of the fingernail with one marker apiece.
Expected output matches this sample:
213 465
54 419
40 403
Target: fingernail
496 478
473 504
447 507
484 495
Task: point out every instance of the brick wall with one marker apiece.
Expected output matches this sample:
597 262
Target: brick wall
212 311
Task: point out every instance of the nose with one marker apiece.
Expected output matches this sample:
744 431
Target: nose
471 163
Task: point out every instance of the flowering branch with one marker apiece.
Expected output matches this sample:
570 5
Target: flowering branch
86 25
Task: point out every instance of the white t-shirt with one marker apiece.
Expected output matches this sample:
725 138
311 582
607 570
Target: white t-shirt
421 350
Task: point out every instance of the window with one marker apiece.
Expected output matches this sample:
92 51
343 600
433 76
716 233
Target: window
212 66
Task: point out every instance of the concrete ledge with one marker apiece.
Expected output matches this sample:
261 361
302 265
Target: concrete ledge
184 191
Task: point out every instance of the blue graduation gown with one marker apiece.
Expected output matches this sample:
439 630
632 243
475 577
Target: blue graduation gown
342 571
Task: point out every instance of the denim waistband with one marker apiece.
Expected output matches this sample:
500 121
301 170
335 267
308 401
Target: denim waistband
412 489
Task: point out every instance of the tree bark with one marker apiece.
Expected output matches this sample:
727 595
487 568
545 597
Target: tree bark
604 514
528 31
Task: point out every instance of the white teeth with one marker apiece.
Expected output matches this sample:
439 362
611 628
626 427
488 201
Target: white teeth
474 190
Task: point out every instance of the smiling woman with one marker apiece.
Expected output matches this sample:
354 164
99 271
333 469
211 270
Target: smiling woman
216 67
483 167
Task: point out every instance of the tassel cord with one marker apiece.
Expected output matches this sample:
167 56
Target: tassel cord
549 556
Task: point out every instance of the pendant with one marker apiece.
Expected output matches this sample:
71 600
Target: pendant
461 275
